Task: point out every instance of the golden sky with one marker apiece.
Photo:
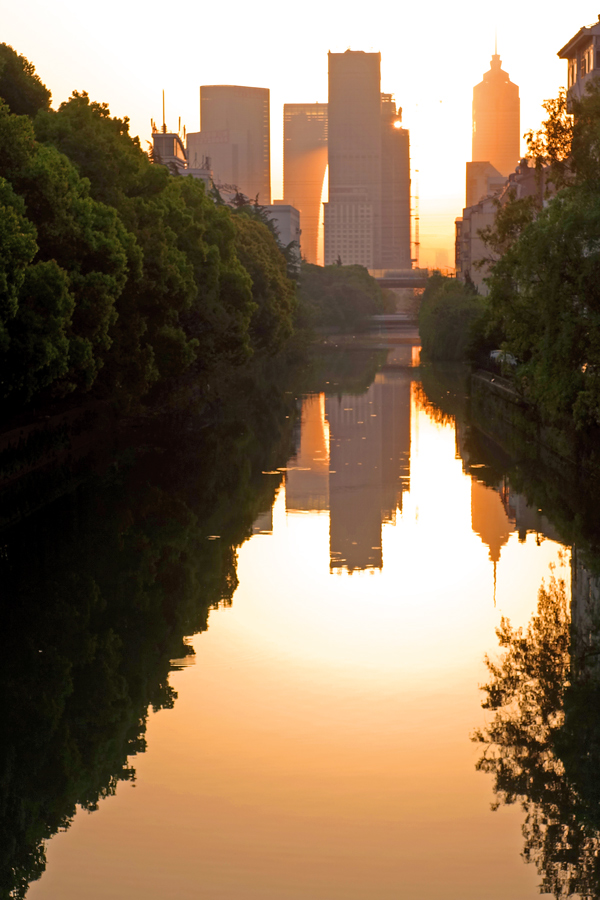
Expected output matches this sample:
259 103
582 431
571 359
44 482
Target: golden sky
433 53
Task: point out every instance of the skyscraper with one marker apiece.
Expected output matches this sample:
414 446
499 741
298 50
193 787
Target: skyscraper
353 213
304 165
367 218
235 135
496 120
395 188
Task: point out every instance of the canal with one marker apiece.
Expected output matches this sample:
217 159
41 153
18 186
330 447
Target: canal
337 582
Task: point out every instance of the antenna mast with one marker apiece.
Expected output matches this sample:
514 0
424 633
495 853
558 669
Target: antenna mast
164 127
416 218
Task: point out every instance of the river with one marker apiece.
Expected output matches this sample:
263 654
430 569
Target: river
316 739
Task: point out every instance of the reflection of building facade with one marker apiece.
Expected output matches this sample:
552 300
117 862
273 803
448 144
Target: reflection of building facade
488 518
354 459
497 512
304 165
370 467
307 478
235 138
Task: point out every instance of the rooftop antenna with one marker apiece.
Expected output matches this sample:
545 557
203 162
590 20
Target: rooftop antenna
164 127
416 219
179 126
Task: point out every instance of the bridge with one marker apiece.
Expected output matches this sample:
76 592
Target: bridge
400 278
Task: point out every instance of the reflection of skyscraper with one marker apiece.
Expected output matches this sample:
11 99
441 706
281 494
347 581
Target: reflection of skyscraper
354 457
235 135
488 518
370 464
496 120
307 486
304 164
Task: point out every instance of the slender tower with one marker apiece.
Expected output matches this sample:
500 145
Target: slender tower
304 164
496 119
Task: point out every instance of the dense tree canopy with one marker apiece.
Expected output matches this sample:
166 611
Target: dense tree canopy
116 277
339 296
544 297
449 311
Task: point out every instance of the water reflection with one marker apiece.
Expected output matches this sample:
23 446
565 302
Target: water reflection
354 455
318 745
542 745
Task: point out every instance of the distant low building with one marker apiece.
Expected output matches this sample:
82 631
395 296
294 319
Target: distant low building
583 55
483 180
168 150
470 250
286 219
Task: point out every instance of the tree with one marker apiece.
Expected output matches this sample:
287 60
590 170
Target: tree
272 292
20 86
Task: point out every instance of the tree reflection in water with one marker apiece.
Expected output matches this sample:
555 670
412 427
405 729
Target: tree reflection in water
542 744
97 594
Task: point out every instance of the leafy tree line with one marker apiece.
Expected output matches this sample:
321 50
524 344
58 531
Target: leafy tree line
448 315
116 278
544 290
340 297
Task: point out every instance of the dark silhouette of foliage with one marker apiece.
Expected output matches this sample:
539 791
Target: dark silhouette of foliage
20 86
123 573
529 739
149 299
341 297
450 311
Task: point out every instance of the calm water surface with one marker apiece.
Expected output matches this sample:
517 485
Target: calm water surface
320 743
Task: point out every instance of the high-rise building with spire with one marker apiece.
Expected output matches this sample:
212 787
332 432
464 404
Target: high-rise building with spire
497 119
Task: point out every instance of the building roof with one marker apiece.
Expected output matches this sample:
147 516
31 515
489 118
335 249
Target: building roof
567 51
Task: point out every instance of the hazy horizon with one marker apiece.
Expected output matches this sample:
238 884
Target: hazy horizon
126 58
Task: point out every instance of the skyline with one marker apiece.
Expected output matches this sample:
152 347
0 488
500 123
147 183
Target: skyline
431 71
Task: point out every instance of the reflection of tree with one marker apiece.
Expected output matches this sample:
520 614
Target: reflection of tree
522 743
442 391
98 591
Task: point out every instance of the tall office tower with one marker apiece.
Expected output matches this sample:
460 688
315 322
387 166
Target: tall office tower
235 136
496 120
304 165
395 188
353 213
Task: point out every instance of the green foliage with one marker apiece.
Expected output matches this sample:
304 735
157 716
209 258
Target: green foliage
152 288
544 295
340 297
20 87
450 312
273 293
17 249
